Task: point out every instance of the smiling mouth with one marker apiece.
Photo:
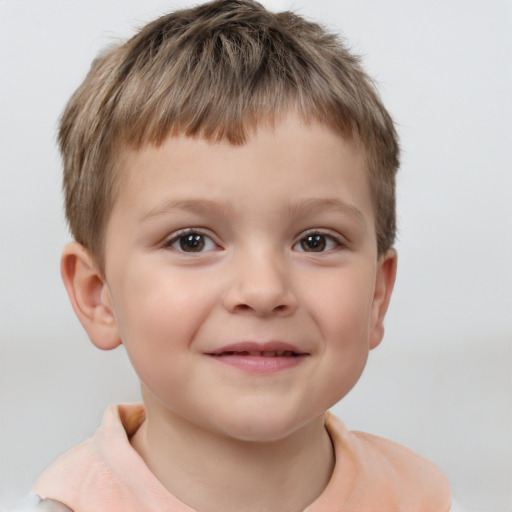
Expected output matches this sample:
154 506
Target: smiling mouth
258 353
259 358
258 349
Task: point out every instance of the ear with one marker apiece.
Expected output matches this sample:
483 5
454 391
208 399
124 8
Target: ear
384 282
89 295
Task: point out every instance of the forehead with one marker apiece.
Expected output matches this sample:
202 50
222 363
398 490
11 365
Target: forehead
284 162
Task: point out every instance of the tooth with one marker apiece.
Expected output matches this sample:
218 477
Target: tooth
268 353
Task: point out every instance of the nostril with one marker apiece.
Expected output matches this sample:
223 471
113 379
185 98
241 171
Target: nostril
282 308
259 298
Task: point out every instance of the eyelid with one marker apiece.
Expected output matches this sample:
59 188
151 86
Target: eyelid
340 240
176 235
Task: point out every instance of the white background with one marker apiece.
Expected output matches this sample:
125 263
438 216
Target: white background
440 382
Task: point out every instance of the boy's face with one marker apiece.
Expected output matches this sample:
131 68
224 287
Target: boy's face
244 281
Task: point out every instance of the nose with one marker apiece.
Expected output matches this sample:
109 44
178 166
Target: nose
260 285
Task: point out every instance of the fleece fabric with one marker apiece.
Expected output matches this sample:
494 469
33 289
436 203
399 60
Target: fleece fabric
371 474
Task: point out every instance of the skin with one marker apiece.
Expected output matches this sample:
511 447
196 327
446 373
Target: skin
256 277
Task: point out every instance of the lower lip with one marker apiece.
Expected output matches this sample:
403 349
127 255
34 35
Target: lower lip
260 364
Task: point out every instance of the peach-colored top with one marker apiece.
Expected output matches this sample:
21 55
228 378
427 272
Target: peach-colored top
105 474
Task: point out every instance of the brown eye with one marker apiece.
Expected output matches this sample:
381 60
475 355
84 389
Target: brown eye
316 242
192 242
313 243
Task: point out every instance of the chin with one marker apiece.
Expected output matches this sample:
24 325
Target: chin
264 427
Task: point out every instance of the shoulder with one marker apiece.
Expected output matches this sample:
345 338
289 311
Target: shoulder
90 472
387 474
67 475
33 503
397 458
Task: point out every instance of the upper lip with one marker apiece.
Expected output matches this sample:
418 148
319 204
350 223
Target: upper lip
256 348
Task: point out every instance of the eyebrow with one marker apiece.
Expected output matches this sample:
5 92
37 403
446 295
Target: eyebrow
302 207
314 205
199 206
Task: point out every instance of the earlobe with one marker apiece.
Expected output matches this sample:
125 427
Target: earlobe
89 295
384 282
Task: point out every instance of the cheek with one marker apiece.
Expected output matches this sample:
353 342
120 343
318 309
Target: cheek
341 307
341 310
157 315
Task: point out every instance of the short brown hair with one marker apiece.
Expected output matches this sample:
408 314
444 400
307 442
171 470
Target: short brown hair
215 71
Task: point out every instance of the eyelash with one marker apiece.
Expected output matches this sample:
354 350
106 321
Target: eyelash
180 236
326 241
330 239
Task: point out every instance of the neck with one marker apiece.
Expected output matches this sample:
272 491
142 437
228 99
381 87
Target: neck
214 473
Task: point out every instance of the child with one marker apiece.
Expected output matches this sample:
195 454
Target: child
229 182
